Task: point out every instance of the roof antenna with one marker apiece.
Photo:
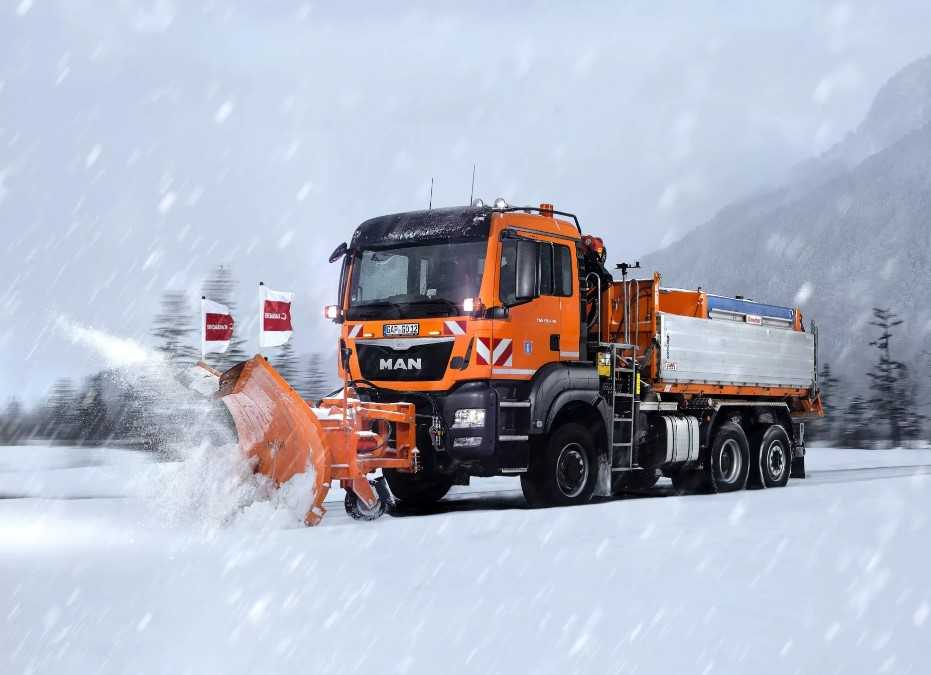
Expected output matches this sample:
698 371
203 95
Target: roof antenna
430 205
472 194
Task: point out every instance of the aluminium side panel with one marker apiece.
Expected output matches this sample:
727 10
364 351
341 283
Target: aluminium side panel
733 353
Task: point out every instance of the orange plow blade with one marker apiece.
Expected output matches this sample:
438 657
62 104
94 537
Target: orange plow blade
344 439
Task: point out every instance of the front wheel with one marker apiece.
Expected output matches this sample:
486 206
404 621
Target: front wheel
563 471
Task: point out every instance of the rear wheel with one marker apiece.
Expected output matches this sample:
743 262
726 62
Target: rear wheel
729 459
563 471
417 489
772 450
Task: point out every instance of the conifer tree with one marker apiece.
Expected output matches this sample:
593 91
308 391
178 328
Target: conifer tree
287 364
830 386
176 330
887 403
314 383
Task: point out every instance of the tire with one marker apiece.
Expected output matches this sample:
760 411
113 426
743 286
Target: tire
729 459
564 470
357 509
635 481
771 453
417 489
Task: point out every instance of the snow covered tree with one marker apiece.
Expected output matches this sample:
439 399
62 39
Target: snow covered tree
176 330
855 423
61 411
12 422
286 362
826 427
314 383
221 287
93 411
888 377
912 419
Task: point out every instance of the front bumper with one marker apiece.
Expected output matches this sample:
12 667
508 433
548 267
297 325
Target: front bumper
445 404
470 395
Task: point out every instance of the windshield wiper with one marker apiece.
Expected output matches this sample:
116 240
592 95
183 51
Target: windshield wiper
454 308
379 304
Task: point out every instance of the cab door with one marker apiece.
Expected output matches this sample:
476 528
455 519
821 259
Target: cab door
565 287
531 334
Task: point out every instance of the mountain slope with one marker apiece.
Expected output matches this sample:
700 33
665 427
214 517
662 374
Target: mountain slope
837 239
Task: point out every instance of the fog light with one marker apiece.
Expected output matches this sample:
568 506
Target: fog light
468 418
331 312
468 305
467 442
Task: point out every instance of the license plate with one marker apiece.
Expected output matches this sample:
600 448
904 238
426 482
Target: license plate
401 329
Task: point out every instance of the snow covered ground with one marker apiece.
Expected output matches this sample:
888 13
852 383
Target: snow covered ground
110 563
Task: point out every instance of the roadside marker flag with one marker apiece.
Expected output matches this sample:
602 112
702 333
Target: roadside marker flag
216 326
274 316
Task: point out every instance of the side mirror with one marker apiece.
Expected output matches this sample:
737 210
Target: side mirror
339 252
527 285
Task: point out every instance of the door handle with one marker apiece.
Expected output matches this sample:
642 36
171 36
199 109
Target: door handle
554 343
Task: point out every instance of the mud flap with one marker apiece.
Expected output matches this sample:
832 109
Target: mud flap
798 467
603 482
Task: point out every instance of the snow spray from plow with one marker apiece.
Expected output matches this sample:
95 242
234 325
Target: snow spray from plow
204 476
343 439
286 442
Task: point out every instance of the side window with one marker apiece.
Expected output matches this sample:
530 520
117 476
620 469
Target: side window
508 282
546 269
563 276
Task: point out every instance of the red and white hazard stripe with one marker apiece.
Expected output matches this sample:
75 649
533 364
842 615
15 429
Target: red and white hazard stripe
501 356
454 327
354 330
493 351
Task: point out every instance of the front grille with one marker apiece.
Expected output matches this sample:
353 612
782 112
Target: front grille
420 361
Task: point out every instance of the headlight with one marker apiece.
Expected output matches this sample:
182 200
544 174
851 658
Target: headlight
469 417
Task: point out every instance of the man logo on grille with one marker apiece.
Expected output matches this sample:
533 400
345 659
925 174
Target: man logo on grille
399 364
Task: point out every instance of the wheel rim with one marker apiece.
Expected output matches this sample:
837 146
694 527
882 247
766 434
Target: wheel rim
572 470
731 461
366 511
776 460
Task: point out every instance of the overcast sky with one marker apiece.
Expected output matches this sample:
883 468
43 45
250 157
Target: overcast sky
143 142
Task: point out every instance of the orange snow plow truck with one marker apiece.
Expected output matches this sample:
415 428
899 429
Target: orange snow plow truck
492 340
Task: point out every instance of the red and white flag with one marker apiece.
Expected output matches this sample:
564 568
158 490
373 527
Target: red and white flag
274 317
216 326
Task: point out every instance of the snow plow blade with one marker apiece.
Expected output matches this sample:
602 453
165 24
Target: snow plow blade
343 439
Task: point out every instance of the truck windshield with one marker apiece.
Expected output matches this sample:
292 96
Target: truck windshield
415 281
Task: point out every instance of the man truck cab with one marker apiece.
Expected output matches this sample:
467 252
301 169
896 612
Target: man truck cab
503 327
